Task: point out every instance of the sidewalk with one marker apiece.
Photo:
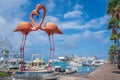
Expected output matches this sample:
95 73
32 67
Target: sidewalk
105 72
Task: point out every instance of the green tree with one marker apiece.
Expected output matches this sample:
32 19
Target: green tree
111 53
113 9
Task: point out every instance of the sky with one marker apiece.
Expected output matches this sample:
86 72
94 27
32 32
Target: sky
83 23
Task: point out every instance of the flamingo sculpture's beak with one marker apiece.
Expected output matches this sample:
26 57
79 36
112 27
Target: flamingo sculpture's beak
37 14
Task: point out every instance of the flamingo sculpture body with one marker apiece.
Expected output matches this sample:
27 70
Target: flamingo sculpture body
25 28
50 28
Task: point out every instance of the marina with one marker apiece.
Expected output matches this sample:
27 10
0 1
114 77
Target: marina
38 69
60 40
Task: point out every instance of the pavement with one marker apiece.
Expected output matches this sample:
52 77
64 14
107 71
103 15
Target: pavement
105 72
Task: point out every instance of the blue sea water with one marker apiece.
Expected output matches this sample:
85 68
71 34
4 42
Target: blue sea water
86 69
62 64
81 69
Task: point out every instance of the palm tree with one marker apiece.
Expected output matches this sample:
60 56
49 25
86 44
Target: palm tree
111 53
113 9
114 37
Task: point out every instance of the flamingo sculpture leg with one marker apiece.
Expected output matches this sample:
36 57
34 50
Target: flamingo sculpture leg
50 45
50 28
51 41
50 64
25 28
52 48
22 67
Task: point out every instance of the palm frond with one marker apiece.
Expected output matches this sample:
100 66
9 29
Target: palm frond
113 37
112 23
111 6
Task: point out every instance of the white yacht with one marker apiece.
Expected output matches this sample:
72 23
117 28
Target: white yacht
72 63
37 64
14 63
76 61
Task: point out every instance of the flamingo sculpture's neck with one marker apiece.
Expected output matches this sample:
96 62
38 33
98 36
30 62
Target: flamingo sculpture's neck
43 16
36 27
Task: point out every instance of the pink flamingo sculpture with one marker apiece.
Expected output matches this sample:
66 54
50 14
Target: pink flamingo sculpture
50 28
25 28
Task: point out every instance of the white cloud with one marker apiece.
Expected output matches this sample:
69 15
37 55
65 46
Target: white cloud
69 25
51 19
76 20
73 14
50 5
99 35
104 19
10 8
76 13
97 22
93 23
95 36
78 7
69 41
12 4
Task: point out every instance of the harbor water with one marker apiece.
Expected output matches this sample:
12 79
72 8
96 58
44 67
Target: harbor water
86 69
80 69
